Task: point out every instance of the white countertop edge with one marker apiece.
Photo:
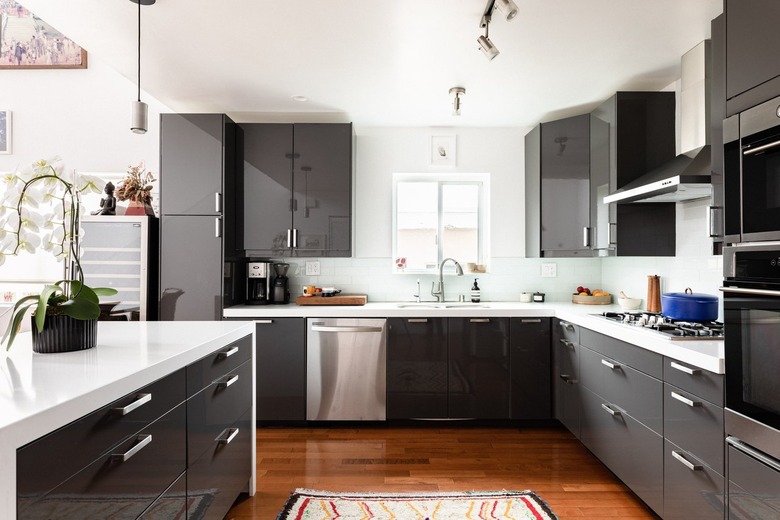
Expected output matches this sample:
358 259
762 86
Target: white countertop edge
708 355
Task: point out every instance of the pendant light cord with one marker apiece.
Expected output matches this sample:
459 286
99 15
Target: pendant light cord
139 50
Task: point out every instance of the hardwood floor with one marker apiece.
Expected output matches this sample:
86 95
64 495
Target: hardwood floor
432 457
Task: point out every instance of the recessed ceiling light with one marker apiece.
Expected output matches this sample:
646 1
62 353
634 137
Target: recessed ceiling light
300 98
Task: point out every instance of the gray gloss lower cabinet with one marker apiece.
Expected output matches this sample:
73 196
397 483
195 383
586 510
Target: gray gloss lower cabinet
281 369
692 490
753 488
478 379
565 374
530 368
417 368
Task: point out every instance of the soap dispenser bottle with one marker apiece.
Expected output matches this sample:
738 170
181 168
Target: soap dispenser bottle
475 292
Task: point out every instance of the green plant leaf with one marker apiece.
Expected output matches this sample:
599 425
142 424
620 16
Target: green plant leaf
104 291
80 308
19 310
43 302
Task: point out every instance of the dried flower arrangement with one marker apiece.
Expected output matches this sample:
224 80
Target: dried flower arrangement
137 185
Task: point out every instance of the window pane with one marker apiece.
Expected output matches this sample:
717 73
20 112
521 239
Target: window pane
460 222
417 223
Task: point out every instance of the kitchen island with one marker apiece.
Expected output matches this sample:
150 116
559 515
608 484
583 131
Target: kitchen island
42 393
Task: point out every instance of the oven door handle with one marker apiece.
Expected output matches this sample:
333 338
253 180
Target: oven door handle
757 292
752 452
757 149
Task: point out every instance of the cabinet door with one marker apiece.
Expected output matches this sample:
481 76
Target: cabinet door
268 160
322 184
530 357
190 268
565 157
566 387
478 368
191 163
416 368
281 369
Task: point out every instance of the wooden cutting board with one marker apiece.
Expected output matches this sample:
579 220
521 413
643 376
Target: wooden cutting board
339 299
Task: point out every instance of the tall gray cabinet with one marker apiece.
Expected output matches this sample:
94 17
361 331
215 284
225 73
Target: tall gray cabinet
298 189
200 239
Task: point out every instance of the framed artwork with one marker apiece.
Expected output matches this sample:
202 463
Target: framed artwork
442 150
5 131
27 42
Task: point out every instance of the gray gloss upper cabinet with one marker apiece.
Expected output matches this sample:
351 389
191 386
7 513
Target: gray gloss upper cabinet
752 46
297 189
564 185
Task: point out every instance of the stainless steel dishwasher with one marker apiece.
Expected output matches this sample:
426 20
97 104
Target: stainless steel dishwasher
346 362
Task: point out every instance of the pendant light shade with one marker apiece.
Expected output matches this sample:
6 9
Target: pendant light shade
140 111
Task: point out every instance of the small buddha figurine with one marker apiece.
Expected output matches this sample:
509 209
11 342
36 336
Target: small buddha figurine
107 203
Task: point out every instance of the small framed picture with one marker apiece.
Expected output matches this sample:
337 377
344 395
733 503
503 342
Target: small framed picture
5 131
442 150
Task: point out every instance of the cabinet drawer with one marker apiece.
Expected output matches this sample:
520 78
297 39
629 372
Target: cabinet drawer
85 439
703 383
695 425
643 360
110 487
171 504
691 488
222 472
205 371
565 330
631 450
638 394
216 407
753 487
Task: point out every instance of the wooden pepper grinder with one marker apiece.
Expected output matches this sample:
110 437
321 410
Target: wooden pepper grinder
653 293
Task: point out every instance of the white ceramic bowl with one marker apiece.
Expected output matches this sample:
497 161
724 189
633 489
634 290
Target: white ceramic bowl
629 304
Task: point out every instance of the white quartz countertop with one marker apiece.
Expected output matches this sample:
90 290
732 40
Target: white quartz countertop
706 354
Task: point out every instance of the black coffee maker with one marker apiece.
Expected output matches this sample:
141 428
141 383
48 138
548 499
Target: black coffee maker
280 290
258 289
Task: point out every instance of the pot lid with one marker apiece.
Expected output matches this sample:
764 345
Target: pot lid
689 295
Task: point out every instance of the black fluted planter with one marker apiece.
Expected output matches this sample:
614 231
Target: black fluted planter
64 334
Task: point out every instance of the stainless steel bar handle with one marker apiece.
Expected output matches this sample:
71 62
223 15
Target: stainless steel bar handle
613 413
289 238
218 202
713 222
685 462
417 320
264 322
227 435
751 451
140 400
228 380
295 237
757 292
586 237
566 342
685 400
566 325
567 379
227 353
218 227
683 368
751 151
479 320
321 327
143 441
613 366
612 236
531 320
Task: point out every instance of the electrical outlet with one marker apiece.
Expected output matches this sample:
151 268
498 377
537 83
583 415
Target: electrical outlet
549 270
312 268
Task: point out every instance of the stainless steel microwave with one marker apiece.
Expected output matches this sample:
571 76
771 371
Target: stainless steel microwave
752 174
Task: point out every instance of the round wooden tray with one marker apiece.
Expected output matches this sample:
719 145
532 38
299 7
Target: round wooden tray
591 300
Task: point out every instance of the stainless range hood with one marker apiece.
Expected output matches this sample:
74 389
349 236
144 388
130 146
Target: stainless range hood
687 176
682 178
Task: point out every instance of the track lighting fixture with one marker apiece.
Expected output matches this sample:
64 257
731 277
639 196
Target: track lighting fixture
140 114
509 9
456 93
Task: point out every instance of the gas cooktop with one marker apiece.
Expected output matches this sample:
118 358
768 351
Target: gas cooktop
673 329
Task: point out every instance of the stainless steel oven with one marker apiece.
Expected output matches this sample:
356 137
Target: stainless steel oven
759 187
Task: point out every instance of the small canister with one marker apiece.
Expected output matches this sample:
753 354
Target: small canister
538 297
525 297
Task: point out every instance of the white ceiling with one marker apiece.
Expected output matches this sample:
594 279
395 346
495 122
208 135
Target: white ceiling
390 62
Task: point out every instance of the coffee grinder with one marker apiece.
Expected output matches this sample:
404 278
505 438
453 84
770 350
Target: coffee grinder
258 289
280 291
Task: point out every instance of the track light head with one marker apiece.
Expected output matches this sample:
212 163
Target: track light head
508 7
486 46
456 93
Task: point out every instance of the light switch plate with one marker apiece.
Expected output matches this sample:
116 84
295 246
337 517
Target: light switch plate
549 270
312 268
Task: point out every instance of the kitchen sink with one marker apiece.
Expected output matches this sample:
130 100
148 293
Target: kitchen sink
419 306
466 306
451 305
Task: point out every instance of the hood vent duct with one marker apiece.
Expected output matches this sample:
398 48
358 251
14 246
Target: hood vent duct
687 176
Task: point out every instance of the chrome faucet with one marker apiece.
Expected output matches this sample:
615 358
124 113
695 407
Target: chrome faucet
437 288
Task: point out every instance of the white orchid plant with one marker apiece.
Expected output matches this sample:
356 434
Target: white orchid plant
40 209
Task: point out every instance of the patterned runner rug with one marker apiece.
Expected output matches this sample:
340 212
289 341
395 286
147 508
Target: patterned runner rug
307 504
